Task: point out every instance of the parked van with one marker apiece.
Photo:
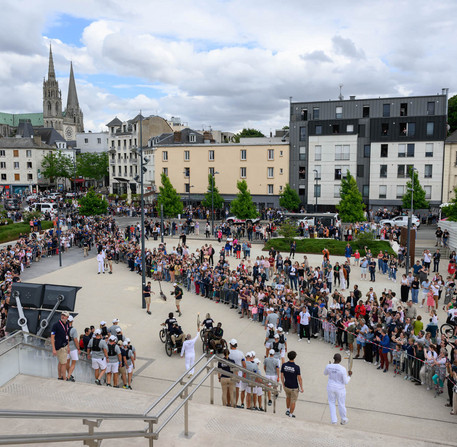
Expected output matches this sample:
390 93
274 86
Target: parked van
51 208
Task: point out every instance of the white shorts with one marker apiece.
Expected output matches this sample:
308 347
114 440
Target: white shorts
99 364
238 384
273 379
73 355
129 368
112 368
283 352
268 345
258 391
244 387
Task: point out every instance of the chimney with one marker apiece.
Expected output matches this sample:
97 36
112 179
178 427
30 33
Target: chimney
352 97
177 138
37 140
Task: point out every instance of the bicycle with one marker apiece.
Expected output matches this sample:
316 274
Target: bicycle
163 334
448 330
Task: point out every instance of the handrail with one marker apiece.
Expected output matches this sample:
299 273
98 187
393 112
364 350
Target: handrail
38 414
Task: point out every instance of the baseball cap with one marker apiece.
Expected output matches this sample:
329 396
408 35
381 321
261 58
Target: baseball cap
66 314
113 338
174 284
118 329
98 332
257 361
70 318
276 335
127 340
280 329
248 354
270 325
102 323
253 353
233 342
125 343
120 342
115 320
271 351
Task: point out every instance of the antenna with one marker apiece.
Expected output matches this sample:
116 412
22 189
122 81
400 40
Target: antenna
341 97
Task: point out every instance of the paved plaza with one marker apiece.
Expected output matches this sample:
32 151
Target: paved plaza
376 402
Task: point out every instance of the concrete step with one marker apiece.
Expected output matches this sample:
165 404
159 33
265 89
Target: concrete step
207 423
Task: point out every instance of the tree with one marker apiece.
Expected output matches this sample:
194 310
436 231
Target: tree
351 205
450 211
56 165
169 198
288 230
243 207
419 201
452 113
247 133
212 196
92 204
289 198
92 165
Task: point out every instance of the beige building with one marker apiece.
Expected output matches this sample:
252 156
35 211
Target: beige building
265 167
450 167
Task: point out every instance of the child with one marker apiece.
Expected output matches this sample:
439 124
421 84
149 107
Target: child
326 329
396 356
356 258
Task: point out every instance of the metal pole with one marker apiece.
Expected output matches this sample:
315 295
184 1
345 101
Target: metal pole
211 387
161 222
212 205
143 253
410 218
58 238
186 414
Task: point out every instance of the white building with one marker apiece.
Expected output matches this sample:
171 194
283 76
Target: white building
92 142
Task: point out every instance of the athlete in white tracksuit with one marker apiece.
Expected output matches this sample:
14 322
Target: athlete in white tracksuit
338 378
188 349
101 262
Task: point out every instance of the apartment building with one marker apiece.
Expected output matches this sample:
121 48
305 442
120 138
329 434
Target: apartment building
92 142
450 167
264 166
376 139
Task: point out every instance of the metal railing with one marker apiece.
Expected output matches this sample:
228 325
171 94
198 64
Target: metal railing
182 390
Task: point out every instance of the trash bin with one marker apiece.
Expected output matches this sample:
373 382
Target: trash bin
155 234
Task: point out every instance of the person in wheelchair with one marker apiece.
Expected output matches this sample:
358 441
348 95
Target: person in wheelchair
169 322
177 336
215 341
207 326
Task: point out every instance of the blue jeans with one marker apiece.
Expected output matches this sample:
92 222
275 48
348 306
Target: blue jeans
384 267
414 295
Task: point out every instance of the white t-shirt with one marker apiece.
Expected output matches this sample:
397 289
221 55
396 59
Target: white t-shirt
304 318
337 376
237 356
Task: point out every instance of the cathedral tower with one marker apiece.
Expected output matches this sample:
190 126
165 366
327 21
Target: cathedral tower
52 99
73 116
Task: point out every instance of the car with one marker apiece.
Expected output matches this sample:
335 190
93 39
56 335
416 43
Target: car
400 221
235 220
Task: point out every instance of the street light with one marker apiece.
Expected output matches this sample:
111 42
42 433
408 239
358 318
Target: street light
316 178
410 218
212 201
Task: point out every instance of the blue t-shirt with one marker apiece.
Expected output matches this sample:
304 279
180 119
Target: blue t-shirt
291 371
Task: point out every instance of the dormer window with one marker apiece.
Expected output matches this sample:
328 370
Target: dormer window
192 138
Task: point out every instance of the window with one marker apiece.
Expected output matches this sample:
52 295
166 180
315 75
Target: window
2 165
336 191
187 172
429 149
99 141
382 191
366 112
29 165
386 110
280 188
113 168
165 156
302 153
211 171
404 109
270 172
400 171
119 170
337 172
428 192
315 113
131 170
165 171
366 151
335 128
402 150
281 171
302 133
317 153
17 177
365 190
317 190
317 172
192 138
338 112
243 172
28 153
16 165
342 152
383 171
430 108
360 170
301 173
350 128
428 171
282 152
271 154
125 170
304 114
270 189
243 154
341 172
186 155
319 130
15 153
400 191
384 129
2 153
384 150
410 150
3 176
211 155
430 129
86 140
411 129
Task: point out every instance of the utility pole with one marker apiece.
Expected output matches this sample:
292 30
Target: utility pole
143 252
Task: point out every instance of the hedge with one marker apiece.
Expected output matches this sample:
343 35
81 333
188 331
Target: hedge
11 232
335 247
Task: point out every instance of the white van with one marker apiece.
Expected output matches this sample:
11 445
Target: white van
51 208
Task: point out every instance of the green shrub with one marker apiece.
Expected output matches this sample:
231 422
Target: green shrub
11 232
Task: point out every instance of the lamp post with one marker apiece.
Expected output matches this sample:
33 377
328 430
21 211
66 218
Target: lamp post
212 201
316 173
410 218
143 254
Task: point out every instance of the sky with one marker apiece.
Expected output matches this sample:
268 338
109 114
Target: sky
227 64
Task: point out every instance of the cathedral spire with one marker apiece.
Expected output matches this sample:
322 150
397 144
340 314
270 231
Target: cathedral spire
51 71
72 99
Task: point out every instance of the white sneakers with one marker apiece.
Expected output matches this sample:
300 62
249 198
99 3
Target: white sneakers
344 421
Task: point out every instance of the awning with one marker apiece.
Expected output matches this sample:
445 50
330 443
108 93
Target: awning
121 179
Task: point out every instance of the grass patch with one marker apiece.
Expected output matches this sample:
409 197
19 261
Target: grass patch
11 232
336 248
